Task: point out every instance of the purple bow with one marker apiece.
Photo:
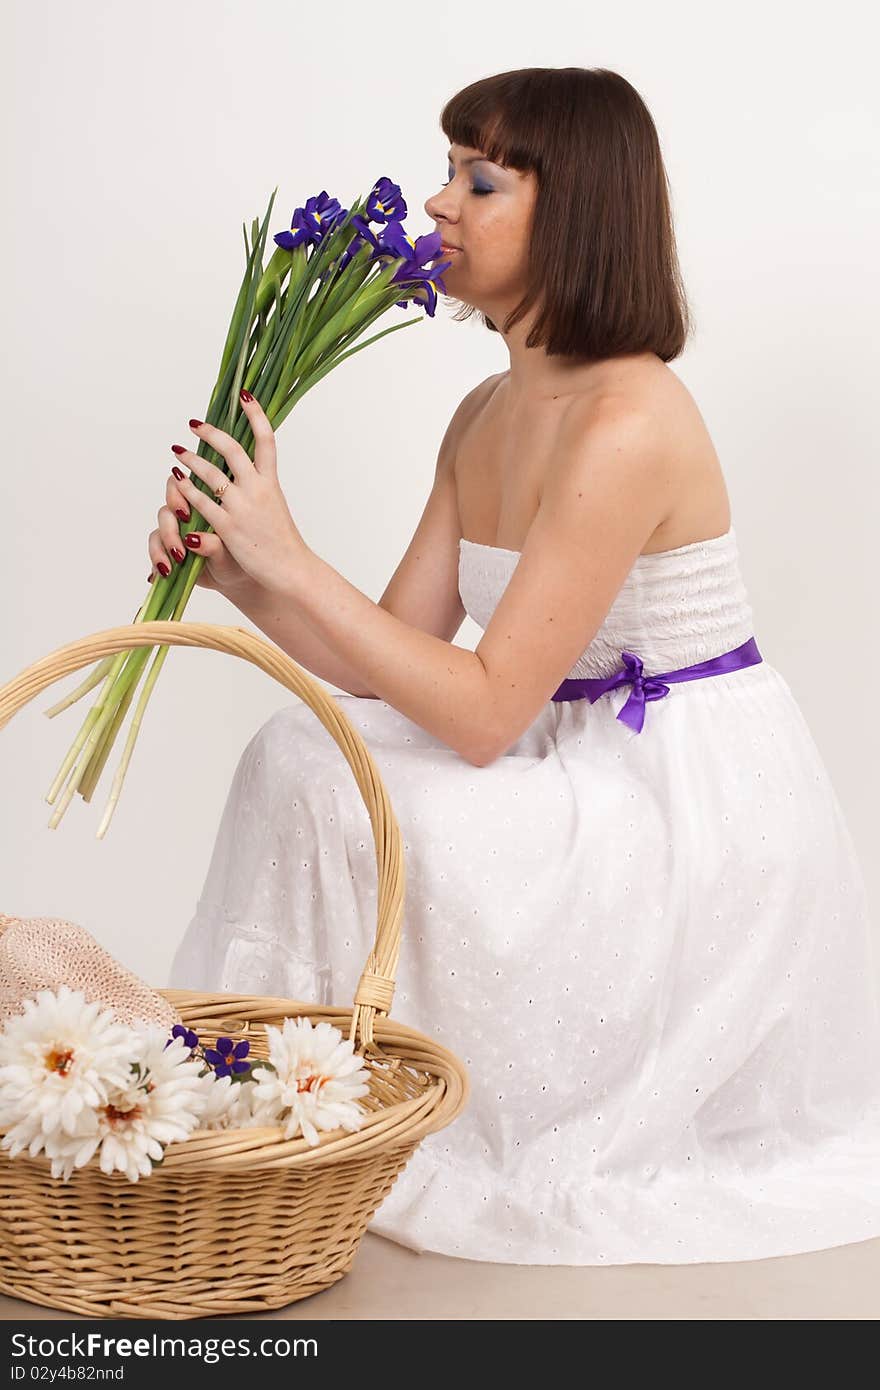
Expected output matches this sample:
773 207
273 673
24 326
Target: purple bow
646 688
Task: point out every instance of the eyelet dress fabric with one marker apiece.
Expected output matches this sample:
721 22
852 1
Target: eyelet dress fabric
652 950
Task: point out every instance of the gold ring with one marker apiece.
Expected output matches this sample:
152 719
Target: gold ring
220 491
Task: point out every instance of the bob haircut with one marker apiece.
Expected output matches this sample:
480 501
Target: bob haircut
603 265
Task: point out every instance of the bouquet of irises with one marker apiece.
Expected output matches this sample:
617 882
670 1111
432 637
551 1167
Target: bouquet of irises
329 278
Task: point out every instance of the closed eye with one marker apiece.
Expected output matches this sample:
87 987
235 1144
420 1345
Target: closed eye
479 191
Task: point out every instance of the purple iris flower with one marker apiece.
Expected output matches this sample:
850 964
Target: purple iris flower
385 202
362 235
392 241
310 224
228 1056
416 254
190 1038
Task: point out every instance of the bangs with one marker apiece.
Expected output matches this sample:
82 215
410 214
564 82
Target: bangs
488 116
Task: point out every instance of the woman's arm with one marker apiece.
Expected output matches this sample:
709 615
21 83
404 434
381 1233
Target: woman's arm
279 621
422 592
606 490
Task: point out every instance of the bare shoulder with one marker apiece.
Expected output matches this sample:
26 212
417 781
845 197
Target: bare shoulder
637 391
470 406
465 414
646 412
609 448
621 421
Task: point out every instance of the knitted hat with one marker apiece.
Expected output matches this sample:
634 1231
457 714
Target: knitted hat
44 952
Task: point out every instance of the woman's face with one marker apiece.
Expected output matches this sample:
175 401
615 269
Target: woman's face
484 213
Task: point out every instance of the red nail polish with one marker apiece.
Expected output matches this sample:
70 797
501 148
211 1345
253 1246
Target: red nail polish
179 555
178 448
163 569
178 472
150 577
245 395
181 516
192 540
196 424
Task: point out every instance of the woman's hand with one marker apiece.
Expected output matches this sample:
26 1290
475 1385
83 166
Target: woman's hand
252 523
165 545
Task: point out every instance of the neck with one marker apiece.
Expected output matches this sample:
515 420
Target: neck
534 375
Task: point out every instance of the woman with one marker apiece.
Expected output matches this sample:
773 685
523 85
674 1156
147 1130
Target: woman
633 905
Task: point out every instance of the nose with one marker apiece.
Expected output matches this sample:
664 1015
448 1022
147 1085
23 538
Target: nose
434 207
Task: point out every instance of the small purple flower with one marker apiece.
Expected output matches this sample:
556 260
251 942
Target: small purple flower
310 224
190 1038
228 1056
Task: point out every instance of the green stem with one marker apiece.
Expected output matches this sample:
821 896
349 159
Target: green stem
281 354
134 729
88 684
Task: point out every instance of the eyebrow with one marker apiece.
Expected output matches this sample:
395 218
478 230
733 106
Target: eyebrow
471 158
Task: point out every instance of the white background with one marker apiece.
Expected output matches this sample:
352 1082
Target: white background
138 139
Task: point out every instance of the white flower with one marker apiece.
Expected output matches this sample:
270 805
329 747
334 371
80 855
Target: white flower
58 1060
218 1099
75 1080
317 1079
228 1104
158 1103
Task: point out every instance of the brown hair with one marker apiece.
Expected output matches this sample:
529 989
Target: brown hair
603 265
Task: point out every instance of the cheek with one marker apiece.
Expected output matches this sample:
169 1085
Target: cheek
502 251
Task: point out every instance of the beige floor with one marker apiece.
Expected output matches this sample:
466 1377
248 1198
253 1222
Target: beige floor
388 1281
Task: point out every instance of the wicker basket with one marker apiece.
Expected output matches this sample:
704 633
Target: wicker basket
235 1221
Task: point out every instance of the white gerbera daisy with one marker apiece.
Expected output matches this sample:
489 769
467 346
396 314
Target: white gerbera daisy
225 1102
58 1060
218 1097
317 1080
161 1100
230 1104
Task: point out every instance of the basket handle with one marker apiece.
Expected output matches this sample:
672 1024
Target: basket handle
375 989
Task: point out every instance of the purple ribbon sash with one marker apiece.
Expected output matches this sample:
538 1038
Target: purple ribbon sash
652 687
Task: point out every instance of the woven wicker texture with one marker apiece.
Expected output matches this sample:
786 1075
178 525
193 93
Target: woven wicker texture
44 952
243 1220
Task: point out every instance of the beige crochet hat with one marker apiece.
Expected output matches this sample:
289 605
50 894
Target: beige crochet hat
44 952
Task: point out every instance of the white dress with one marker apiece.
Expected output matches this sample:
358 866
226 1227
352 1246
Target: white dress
651 950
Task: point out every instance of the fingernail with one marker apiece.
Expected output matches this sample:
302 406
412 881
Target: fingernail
150 577
178 448
179 555
196 423
178 472
181 516
245 395
163 569
192 540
